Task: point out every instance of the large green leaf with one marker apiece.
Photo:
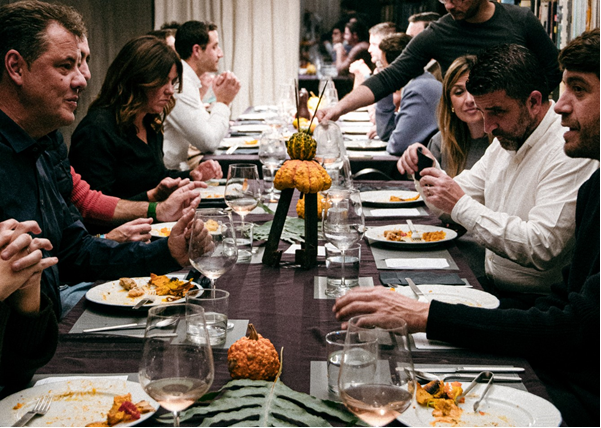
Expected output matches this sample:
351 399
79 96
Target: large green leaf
258 403
293 232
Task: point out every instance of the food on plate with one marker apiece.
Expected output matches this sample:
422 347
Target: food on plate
159 285
253 357
211 225
396 235
400 199
439 235
442 398
251 143
123 411
399 235
212 196
165 231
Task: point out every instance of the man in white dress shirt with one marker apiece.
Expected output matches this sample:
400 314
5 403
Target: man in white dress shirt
189 123
519 199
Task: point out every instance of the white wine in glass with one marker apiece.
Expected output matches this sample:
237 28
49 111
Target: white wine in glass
377 380
176 370
243 188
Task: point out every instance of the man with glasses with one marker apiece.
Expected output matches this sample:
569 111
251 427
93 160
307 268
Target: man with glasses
469 27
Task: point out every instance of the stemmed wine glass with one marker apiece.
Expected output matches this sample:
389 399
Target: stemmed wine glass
177 361
272 154
376 380
343 222
242 189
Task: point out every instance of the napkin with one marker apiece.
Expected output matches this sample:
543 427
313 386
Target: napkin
398 278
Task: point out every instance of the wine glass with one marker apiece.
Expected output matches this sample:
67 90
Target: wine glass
272 153
177 361
376 380
220 253
343 222
243 188
331 153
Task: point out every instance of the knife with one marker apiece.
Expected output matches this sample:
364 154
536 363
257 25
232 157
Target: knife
416 290
466 369
116 327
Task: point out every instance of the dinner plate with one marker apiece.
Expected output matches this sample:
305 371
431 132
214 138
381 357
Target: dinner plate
454 295
363 129
241 142
503 406
112 294
212 192
381 198
255 116
250 128
377 234
161 230
365 144
75 403
355 116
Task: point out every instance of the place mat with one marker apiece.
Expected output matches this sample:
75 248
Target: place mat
395 212
319 290
383 254
93 317
398 278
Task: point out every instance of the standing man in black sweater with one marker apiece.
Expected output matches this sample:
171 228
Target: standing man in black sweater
560 334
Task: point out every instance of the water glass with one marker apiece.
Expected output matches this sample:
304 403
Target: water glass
244 240
340 279
215 304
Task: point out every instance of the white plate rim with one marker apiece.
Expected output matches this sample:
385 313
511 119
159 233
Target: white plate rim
155 228
241 142
94 294
375 234
250 128
373 145
112 386
372 197
480 297
355 129
355 116
542 412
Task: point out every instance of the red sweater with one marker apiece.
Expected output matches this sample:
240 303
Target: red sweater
92 204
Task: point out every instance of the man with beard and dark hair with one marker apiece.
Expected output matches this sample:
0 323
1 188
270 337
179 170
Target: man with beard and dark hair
518 201
469 27
559 335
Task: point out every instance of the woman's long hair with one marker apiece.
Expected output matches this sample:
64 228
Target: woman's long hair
142 64
455 133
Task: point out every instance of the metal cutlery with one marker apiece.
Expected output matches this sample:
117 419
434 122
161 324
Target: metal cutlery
163 323
232 149
466 369
431 376
416 290
473 383
143 302
415 235
488 385
41 408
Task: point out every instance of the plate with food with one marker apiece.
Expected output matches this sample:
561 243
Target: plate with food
502 406
391 198
399 235
82 402
161 230
212 192
454 295
126 292
241 142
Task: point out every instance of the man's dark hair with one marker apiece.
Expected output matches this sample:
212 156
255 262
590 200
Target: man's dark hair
425 17
510 68
192 33
393 44
173 25
162 34
23 26
360 29
582 53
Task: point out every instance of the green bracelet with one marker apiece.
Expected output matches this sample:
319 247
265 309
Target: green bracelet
152 210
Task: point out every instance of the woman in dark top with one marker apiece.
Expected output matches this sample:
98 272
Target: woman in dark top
118 147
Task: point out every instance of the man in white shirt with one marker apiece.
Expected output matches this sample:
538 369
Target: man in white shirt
189 123
519 199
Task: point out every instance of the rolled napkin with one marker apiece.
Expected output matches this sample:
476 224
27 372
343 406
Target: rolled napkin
398 278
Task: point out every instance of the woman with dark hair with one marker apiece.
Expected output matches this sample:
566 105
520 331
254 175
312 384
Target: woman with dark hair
461 140
118 147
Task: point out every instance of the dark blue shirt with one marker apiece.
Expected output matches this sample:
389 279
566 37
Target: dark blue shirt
30 190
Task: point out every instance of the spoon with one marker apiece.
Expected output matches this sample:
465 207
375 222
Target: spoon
161 324
430 376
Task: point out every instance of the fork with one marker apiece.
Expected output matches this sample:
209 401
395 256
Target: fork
415 235
41 408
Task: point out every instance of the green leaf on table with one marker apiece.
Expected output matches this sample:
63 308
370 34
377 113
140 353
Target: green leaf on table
293 232
246 402
265 208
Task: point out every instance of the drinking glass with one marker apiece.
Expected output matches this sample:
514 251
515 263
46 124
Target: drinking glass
221 254
243 188
176 369
376 380
272 154
331 153
286 102
343 221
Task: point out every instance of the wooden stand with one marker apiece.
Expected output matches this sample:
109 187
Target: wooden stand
306 257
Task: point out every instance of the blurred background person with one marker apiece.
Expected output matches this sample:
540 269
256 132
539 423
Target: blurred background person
356 36
418 23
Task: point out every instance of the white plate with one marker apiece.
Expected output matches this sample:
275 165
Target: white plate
377 234
255 116
355 116
503 406
381 198
365 144
364 129
241 142
250 128
454 294
112 294
76 402
212 192
155 229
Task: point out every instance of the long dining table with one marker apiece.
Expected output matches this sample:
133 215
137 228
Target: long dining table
283 304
